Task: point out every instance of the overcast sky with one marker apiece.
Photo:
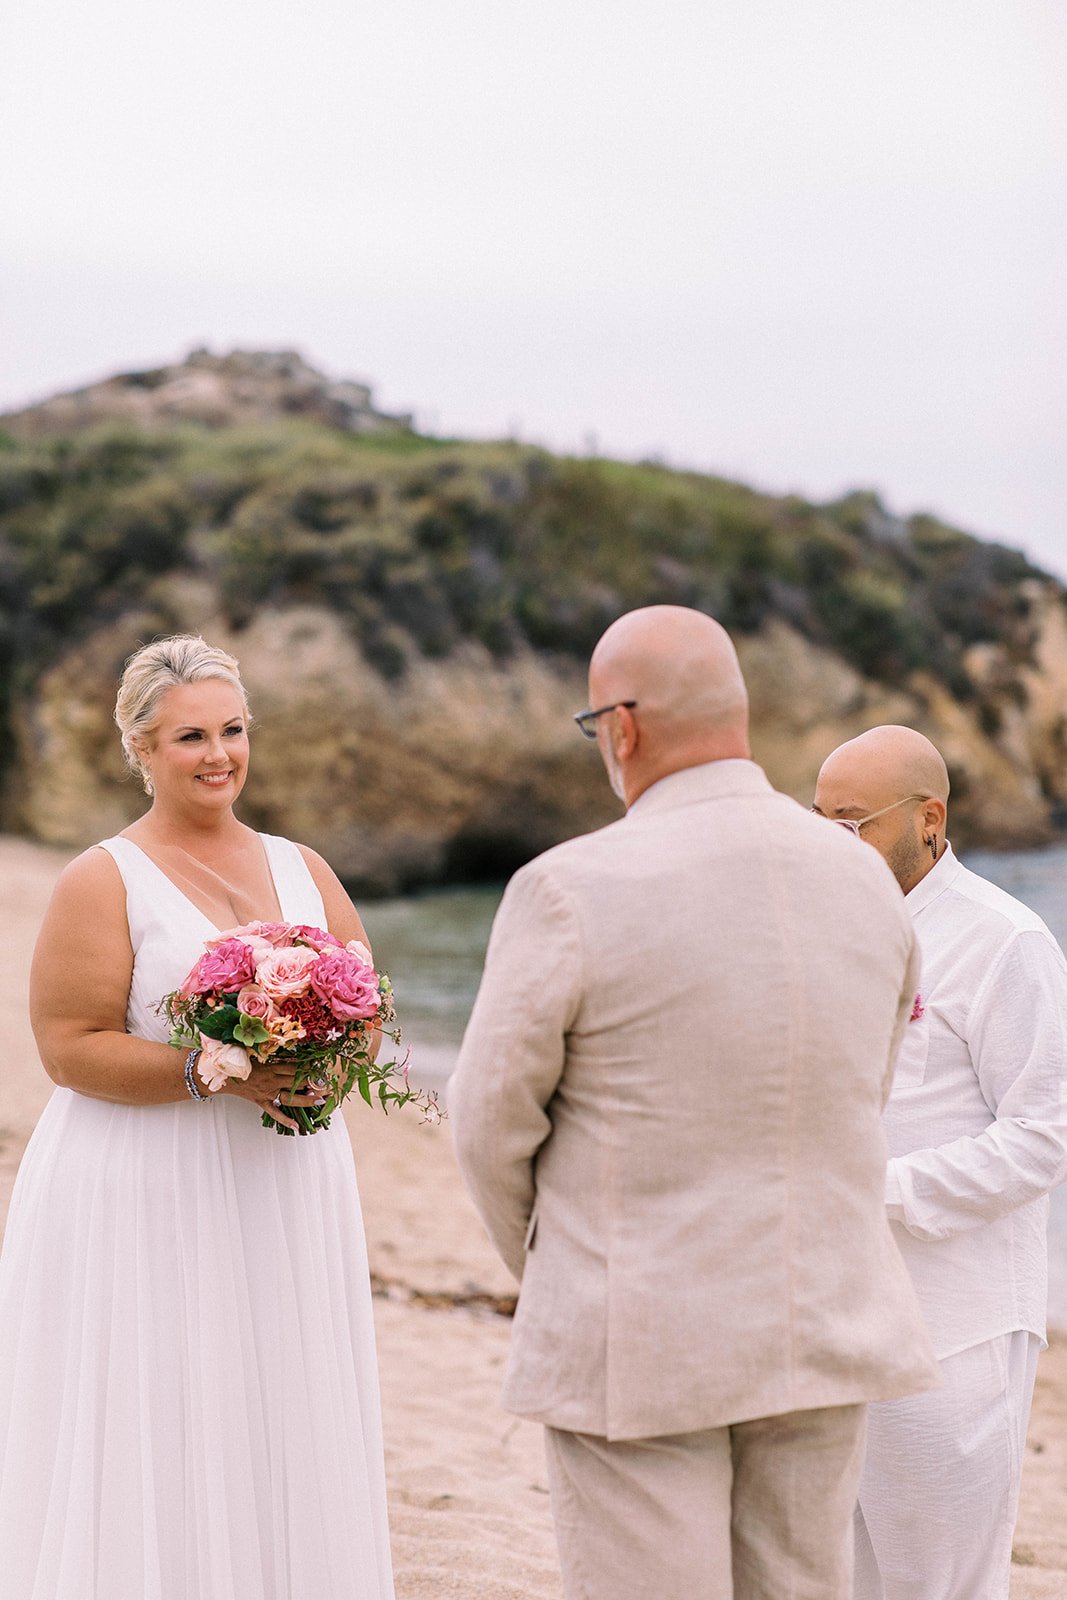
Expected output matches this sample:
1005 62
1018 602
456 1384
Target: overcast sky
815 244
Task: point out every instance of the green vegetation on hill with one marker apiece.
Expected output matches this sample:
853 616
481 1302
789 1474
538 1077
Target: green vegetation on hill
421 543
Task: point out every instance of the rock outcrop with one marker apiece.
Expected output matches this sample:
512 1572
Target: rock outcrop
461 770
1009 783
413 618
217 391
464 768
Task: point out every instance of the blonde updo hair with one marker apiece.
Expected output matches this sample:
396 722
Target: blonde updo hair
151 672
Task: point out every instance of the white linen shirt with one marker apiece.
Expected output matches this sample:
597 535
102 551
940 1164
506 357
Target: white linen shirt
976 1124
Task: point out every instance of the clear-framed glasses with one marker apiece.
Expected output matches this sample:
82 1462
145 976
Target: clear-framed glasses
586 720
854 824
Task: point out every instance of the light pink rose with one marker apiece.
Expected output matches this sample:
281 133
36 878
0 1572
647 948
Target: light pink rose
284 973
276 933
261 937
273 933
348 984
356 947
218 1061
229 965
317 938
255 1002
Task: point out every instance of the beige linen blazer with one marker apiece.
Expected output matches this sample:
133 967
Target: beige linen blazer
668 1108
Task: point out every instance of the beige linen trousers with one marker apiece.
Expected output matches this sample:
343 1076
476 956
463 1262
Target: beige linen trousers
668 1106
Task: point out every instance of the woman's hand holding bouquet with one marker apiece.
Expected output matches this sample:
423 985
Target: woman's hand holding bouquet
289 1017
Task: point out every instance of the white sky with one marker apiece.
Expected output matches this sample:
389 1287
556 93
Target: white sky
816 244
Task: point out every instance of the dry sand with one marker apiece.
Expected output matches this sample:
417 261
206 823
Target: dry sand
468 1498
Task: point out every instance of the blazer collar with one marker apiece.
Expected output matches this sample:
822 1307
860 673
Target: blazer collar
713 780
940 877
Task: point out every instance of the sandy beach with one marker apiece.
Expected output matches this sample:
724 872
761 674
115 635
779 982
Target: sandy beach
468 1497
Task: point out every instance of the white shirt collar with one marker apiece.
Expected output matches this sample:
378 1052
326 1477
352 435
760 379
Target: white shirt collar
940 877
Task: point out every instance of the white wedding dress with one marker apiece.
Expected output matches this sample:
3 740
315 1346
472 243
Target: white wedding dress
188 1385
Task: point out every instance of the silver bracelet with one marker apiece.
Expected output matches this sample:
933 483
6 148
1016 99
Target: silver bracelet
190 1065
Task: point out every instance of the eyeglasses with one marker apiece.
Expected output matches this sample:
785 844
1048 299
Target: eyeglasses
854 825
586 720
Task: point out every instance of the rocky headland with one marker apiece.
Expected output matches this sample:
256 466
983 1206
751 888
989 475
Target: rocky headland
413 618
244 386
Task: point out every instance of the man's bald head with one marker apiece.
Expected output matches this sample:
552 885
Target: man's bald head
680 668
897 773
680 664
889 762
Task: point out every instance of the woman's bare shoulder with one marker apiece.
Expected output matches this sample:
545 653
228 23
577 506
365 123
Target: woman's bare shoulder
327 882
342 918
317 865
89 896
91 878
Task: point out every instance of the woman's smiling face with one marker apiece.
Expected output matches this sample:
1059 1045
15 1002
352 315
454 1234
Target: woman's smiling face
197 753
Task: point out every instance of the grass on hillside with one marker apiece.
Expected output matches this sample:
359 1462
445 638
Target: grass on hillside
420 543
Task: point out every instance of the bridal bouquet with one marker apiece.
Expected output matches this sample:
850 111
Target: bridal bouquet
294 994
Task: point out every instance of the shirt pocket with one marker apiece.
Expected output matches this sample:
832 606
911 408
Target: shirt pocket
911 1061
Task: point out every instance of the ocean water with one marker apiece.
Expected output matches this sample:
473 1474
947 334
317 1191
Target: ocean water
433 945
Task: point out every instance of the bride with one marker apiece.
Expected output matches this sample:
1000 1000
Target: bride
188 1387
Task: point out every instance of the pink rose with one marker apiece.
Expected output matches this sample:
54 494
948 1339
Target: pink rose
918 1010
228 966
261 938
348 984
218 1061
255 1002
317 938
275 934
285 972
356 947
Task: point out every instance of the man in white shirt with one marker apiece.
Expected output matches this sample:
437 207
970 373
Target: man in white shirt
976 1127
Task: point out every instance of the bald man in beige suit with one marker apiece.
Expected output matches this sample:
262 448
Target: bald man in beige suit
668 1110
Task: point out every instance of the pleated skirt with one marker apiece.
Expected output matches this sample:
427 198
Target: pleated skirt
188 1384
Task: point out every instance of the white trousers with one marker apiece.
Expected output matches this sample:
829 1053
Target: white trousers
940 1487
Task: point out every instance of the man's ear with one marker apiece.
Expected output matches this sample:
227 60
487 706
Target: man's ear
935 814
624 735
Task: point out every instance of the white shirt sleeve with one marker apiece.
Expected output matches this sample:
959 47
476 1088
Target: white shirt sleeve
1016 1032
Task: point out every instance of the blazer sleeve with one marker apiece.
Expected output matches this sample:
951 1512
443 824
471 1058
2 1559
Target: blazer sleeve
513 1054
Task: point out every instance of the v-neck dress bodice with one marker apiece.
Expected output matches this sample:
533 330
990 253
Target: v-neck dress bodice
188 1384
167 929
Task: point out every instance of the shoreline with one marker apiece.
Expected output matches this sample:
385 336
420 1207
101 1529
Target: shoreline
468 1496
